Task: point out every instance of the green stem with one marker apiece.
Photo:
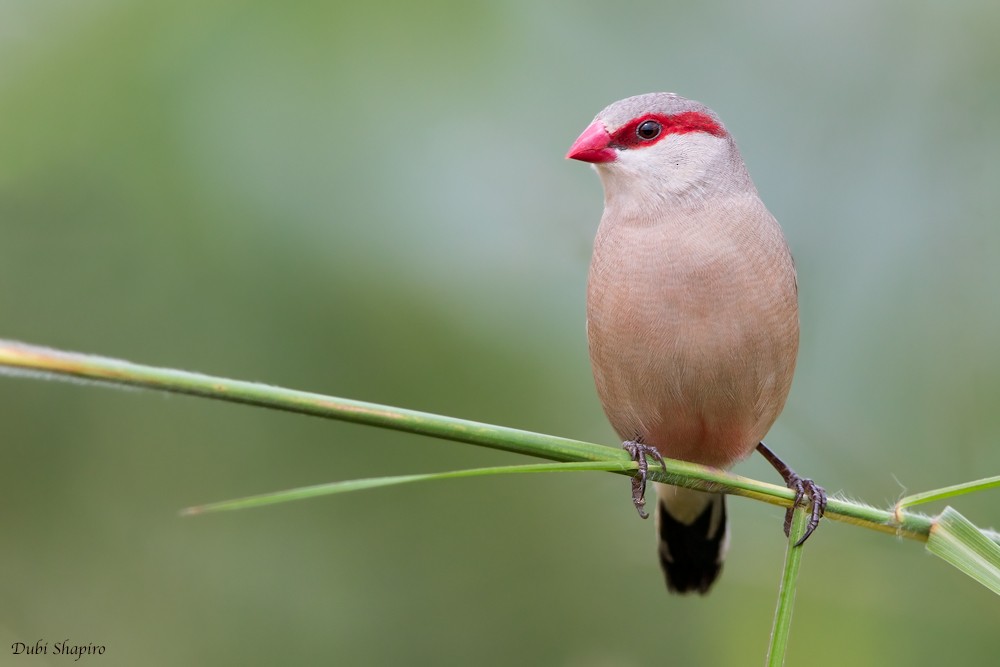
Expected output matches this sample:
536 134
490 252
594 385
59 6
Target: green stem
786 594
55 364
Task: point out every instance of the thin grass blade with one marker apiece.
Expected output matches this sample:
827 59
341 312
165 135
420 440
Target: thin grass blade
949 492
331 488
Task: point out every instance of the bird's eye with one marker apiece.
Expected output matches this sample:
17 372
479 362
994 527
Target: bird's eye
648 130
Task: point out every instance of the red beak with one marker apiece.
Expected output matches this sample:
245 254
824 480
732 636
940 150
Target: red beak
592 145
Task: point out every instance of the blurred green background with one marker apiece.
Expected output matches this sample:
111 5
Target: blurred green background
370 200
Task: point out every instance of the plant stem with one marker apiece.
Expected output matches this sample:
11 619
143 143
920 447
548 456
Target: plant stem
786 594
24 359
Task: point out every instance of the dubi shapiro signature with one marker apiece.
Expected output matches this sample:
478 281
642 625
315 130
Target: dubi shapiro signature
65 647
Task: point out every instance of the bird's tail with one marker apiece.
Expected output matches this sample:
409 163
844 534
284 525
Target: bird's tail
693 537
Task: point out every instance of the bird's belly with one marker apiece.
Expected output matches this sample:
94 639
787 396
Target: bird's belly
693 332
699 381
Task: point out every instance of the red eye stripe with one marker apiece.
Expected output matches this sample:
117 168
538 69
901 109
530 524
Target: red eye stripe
682 123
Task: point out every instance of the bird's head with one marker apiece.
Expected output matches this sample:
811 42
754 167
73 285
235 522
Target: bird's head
659 148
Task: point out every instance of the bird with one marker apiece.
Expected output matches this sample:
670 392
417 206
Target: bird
692 316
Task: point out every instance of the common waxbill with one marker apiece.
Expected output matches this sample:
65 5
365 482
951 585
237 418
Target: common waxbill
692 314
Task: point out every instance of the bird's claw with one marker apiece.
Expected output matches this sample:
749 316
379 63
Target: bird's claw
804 488
640 453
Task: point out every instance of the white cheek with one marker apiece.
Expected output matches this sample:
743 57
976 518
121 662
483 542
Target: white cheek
676 165
688 157
682 158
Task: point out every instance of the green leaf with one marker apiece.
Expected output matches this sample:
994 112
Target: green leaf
955 539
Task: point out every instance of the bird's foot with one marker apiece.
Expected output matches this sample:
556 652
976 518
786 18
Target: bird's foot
640 453
803 488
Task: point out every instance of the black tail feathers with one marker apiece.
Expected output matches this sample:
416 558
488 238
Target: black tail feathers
691 554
